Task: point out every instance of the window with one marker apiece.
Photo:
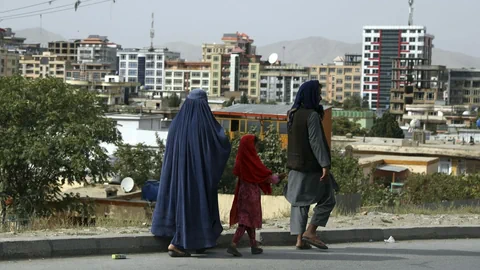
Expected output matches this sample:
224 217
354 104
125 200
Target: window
168 81
123 64
375 63
368 47
253 91
403 48
253 67
132 72
368 31
367 55
149 81
160 57
215 75
168 74
323 78
377 39
159 73
123 57
132 57
216 59
404 39
412 39
348 78
150 57
177 81
132 79
412 47
159 65
196 74
159 80
348 70
253 75
356 86
357 78
367 63
339 71
368 39
375 71
339 81
215 66
348 86
366 79
253 84
204 83
375 79
323 70
314 77
150 65
205 75
178 74
149 73
376 55
376 48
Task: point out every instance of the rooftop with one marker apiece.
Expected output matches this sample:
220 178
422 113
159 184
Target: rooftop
257 109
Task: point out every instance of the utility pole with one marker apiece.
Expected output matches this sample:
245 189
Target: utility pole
410 17
152 32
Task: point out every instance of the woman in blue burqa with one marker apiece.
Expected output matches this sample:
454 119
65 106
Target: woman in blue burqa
196 153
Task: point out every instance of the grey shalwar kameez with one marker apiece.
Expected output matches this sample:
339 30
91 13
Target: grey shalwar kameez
305 189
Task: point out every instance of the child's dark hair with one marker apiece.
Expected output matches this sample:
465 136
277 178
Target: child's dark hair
256 140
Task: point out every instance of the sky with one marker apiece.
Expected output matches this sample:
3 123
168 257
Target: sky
455 24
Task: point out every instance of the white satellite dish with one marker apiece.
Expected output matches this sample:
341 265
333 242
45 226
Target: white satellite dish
127 184
415 123
273 58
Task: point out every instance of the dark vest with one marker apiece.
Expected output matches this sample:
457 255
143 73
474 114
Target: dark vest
300 156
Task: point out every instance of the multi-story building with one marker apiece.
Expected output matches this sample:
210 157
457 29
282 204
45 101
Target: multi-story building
235 66
145 66
44 65
9 63
231 41
9 40
280 83
90 71
340 80
381 44
463 87
97 49
415 83
111 89
182 77
66 49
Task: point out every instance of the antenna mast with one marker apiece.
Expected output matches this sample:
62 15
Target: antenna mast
152 32
410 17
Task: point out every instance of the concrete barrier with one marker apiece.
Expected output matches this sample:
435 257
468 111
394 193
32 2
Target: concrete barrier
31 248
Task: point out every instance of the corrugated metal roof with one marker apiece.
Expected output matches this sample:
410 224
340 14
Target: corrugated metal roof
390 168
259 109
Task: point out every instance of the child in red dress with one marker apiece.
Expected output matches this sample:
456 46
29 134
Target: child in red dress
253 176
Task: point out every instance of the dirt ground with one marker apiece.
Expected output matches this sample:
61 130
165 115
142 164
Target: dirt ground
364 220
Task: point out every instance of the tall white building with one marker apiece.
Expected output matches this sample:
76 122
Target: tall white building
146 67
97 49
381 44
280 83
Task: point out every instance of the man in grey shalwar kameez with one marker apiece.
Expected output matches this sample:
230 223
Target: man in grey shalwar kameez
309 180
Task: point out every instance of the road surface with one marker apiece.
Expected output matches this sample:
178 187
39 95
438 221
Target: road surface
451 254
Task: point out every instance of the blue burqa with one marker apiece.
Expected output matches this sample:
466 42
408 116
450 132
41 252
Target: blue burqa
196 153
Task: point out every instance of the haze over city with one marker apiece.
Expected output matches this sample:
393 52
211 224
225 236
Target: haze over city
127 22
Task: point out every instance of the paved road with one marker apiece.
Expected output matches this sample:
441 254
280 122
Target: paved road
453 254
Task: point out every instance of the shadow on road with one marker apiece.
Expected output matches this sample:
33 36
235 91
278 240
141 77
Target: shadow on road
300 255
417 252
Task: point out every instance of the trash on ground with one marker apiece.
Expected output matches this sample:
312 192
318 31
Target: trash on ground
390 240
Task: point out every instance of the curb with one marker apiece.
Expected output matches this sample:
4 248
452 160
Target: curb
12 249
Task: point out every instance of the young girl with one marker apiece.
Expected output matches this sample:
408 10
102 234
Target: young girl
253 176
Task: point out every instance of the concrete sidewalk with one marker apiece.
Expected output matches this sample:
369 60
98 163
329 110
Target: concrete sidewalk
30 248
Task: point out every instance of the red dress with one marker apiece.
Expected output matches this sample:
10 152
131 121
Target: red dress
253 176
249 205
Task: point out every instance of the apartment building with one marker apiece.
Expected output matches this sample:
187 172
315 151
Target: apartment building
9 63
340 80
414 83
66 49
281 82
112 90
145 66
9 40
181 77
235 66
231 41
44 65
94 72
97 49
463 87
381 44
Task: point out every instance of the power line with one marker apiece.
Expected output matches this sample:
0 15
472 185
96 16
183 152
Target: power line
25 7
55 11
41 10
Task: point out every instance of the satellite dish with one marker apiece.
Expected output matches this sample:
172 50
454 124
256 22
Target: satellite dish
273 58
415 123
466 113
127 184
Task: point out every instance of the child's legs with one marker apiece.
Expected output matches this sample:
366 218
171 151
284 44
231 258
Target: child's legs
251 235
239 233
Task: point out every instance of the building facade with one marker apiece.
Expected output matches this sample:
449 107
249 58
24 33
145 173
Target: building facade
235 67
44 65
111 90
280 83
340 80
464 87
66 49
145 66
97 49
181 77
380 45
9 63
94 72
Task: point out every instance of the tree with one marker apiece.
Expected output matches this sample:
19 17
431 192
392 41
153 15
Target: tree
341 126
353 103
139 162
229 180
174 101
386 127
244 99
51 135
347 172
